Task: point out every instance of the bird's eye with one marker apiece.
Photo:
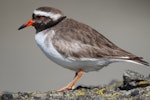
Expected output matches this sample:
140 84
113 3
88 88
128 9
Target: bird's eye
39 16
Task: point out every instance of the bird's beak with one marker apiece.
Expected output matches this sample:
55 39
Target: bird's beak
30 22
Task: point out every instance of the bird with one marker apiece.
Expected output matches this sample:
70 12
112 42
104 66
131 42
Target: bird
75 45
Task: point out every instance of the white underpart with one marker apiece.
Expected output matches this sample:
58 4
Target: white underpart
86 64
47 14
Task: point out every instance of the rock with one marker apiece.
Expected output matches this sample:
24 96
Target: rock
6 96
133 79
133 87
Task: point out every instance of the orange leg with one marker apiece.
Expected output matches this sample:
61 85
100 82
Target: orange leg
69 86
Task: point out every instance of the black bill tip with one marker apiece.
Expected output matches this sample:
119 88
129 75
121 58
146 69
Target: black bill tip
21 27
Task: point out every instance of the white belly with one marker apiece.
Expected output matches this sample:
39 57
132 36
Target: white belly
86 64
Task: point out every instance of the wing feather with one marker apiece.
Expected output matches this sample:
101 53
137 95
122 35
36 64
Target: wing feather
74 39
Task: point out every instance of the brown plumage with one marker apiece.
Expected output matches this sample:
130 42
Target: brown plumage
77 40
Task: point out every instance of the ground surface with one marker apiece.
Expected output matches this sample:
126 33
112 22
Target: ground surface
133 87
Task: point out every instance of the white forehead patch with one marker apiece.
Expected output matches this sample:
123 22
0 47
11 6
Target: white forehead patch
47 14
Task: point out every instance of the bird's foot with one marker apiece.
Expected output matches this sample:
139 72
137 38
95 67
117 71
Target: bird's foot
68 87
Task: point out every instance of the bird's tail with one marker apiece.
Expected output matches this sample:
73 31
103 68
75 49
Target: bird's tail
135 59
139 60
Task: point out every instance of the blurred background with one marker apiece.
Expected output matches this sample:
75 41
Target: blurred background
24 67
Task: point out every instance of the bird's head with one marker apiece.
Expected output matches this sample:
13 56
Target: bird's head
43 18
